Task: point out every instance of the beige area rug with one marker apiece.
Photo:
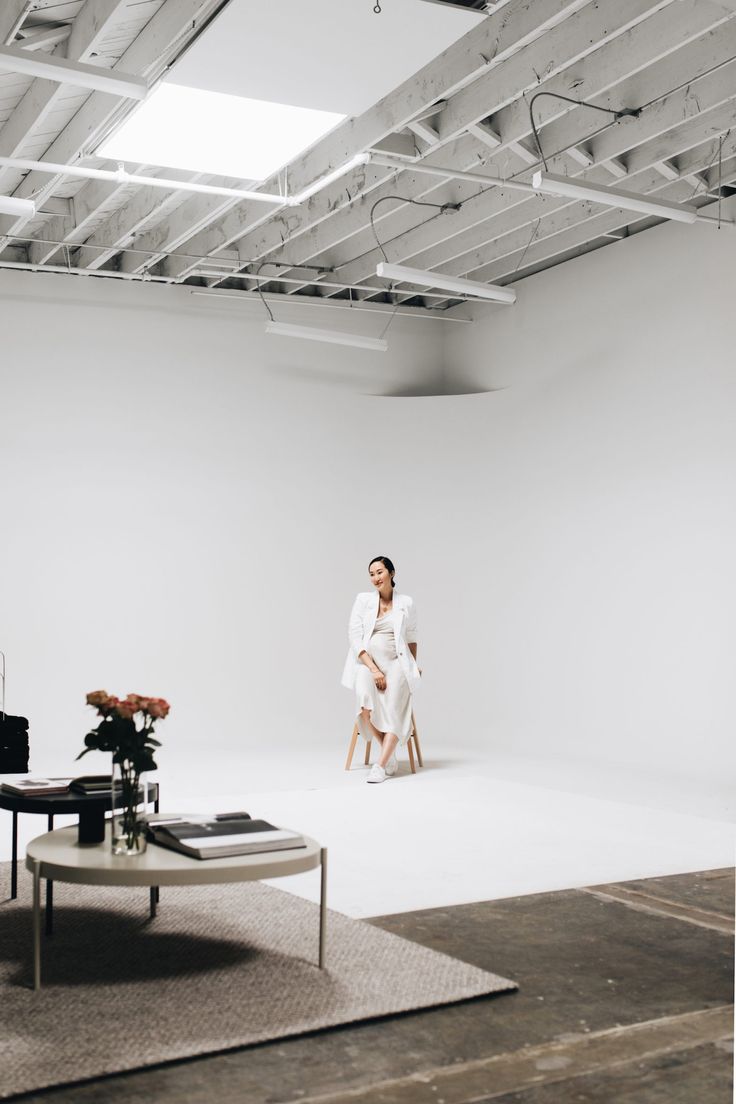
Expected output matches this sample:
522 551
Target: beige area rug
219 967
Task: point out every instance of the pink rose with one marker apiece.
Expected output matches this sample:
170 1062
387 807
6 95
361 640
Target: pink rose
103 702
157 708
126 709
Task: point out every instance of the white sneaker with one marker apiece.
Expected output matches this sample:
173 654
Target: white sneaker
392 766
377 774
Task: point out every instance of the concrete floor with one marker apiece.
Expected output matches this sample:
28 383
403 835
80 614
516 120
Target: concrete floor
625 997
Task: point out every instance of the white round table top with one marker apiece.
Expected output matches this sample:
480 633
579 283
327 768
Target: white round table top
64 859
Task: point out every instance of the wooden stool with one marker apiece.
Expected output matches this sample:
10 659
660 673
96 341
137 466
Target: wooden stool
414 736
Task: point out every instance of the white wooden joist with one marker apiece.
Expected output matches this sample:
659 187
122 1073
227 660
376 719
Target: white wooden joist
571 46
549 216
564 45
52 35
604 70
563 231
484 48
172 234
43 95
461 254
148 55
654 39
12 14
615 141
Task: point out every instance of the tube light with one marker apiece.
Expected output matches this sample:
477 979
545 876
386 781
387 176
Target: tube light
18 208
448 283
333 337
551 184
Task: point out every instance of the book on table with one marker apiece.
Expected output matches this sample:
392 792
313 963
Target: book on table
221 837
92 784
32 787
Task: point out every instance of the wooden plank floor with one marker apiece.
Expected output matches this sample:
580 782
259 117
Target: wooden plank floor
625 997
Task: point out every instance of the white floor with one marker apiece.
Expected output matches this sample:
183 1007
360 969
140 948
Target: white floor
466 828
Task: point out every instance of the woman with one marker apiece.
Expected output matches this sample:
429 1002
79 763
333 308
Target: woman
381 665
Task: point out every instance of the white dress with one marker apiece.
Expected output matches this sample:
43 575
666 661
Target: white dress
390 708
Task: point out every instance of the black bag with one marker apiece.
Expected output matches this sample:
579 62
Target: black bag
13 744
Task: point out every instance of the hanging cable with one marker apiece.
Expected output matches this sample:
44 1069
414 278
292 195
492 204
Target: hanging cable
720 179
634 111
441 207
258 289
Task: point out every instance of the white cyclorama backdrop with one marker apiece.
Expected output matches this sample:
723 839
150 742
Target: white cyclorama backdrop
189 507
591 508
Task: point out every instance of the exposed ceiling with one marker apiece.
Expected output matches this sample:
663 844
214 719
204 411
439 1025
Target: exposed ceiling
467 110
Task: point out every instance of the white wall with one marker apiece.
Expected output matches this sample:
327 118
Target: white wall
188 508
591 507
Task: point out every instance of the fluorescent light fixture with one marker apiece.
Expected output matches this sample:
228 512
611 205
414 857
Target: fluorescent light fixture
50 67
211 132
550 184
447 283
333 337
18 208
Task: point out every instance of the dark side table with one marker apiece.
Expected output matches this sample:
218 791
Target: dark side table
91 809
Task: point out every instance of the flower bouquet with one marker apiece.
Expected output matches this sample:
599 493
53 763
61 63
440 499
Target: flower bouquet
126 730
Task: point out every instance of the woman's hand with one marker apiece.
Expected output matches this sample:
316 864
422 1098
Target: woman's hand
380 680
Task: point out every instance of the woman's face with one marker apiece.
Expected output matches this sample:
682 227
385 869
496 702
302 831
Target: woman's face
379 574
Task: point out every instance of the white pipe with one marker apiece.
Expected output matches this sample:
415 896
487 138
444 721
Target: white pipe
120 176
389 162
17 207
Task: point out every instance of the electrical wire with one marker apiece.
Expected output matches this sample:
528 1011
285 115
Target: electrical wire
579 103
441 207
260 292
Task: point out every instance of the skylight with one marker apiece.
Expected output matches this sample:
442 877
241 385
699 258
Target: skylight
212 132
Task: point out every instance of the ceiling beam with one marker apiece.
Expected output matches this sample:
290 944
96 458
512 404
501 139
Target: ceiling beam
599 75
43 95
616 58
615 141
583 33
484 48
569 225
12 14
52 35
161 39
15 59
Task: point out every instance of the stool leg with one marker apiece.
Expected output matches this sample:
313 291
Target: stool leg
416 741
353 741
410 749
368 751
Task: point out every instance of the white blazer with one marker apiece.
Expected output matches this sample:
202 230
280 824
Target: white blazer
362 620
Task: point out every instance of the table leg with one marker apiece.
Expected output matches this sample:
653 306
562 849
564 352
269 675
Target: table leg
50 891
156 809
36 924
153 900
322 906
14 860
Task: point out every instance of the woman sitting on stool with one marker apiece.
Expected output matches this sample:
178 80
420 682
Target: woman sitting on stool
381 665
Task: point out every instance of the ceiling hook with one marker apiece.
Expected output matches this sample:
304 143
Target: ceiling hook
377 9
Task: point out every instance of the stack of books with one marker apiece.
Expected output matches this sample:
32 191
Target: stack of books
220 836
32 787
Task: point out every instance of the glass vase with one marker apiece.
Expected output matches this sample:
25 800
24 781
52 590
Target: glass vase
129 806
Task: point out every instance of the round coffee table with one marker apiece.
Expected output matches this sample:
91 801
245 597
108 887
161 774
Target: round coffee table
58 856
